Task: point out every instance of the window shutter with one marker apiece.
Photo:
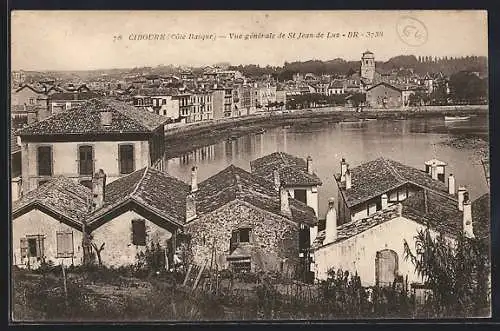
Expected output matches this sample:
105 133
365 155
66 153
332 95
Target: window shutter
65 244
139 232
40 246
24 247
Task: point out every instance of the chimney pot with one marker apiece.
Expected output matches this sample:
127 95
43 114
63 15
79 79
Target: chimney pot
309 165
434 173
331 222
194 179
348 179
467 217
461 195
343 168
451 184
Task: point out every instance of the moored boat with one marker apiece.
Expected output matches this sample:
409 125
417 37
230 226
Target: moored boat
456 118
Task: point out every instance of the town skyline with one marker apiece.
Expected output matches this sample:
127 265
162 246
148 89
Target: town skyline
87 41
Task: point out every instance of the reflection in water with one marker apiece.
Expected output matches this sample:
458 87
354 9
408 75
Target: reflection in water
409 141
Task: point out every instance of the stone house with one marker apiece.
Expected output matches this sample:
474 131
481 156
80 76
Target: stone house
373 247
293 173
246 224
99 134
47 224
380 183
384 95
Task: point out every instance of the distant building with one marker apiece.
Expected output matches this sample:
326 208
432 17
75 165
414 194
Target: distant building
201 106
384 95
62 101
15 166
159 101
100 134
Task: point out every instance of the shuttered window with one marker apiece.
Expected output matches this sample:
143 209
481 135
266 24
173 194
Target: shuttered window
64 244
24 247
44 158
85 160
139 232
32 246
126 159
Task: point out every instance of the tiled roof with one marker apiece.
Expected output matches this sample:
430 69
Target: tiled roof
14 147
292 169
233 182
381 175
85 119
440 212
350 229
435 210
61 195
150 188
74 96
156 92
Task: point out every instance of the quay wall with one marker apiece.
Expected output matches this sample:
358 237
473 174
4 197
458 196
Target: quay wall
337 113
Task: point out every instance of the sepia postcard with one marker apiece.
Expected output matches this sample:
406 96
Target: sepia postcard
249 165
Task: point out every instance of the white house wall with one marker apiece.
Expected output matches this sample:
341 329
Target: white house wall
357 254
116 234
36 222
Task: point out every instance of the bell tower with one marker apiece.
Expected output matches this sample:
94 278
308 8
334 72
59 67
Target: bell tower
368 66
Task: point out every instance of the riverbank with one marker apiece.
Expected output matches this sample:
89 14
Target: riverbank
266 119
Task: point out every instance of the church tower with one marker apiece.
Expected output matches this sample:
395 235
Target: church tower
368 66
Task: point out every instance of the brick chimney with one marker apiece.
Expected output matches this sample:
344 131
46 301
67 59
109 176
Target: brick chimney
467 217
190 207
384 201
309 165
277 180
284 203
194 179
98 189
348 179
461 193
331 222
343 168
451 184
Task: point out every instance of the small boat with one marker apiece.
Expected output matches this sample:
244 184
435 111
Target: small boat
287 126
261 131
350 120
370 119
456 118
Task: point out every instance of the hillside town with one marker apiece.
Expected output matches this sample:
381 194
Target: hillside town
90 182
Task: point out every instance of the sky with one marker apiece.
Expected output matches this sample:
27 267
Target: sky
84 40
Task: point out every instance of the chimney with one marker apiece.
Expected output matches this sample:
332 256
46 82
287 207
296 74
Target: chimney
343 168
284 203
461 192
434 174
385 201
451 184
239 187
348 179
106 118
98 189
194 179
190 207
32 117
399 209
309 165
467 217
331 222
277 180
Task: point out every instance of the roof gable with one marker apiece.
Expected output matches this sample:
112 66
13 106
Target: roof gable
384 84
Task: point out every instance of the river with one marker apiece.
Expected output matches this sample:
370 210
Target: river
411 141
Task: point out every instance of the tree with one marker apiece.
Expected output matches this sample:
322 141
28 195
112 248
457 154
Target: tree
467 87
456 272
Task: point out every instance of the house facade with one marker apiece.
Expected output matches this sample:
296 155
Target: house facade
62 101
99 134
378 184
384 95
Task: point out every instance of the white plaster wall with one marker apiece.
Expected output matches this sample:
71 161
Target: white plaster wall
358 253
117 236
36 222
65 159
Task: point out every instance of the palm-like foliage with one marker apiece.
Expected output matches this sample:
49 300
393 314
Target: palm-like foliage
455 270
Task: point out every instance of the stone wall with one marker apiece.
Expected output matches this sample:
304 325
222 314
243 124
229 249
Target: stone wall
275 237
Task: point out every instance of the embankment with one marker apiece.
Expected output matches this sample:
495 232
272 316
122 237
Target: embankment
269 119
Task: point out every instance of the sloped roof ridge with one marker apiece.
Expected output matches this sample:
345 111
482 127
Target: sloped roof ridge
139 182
